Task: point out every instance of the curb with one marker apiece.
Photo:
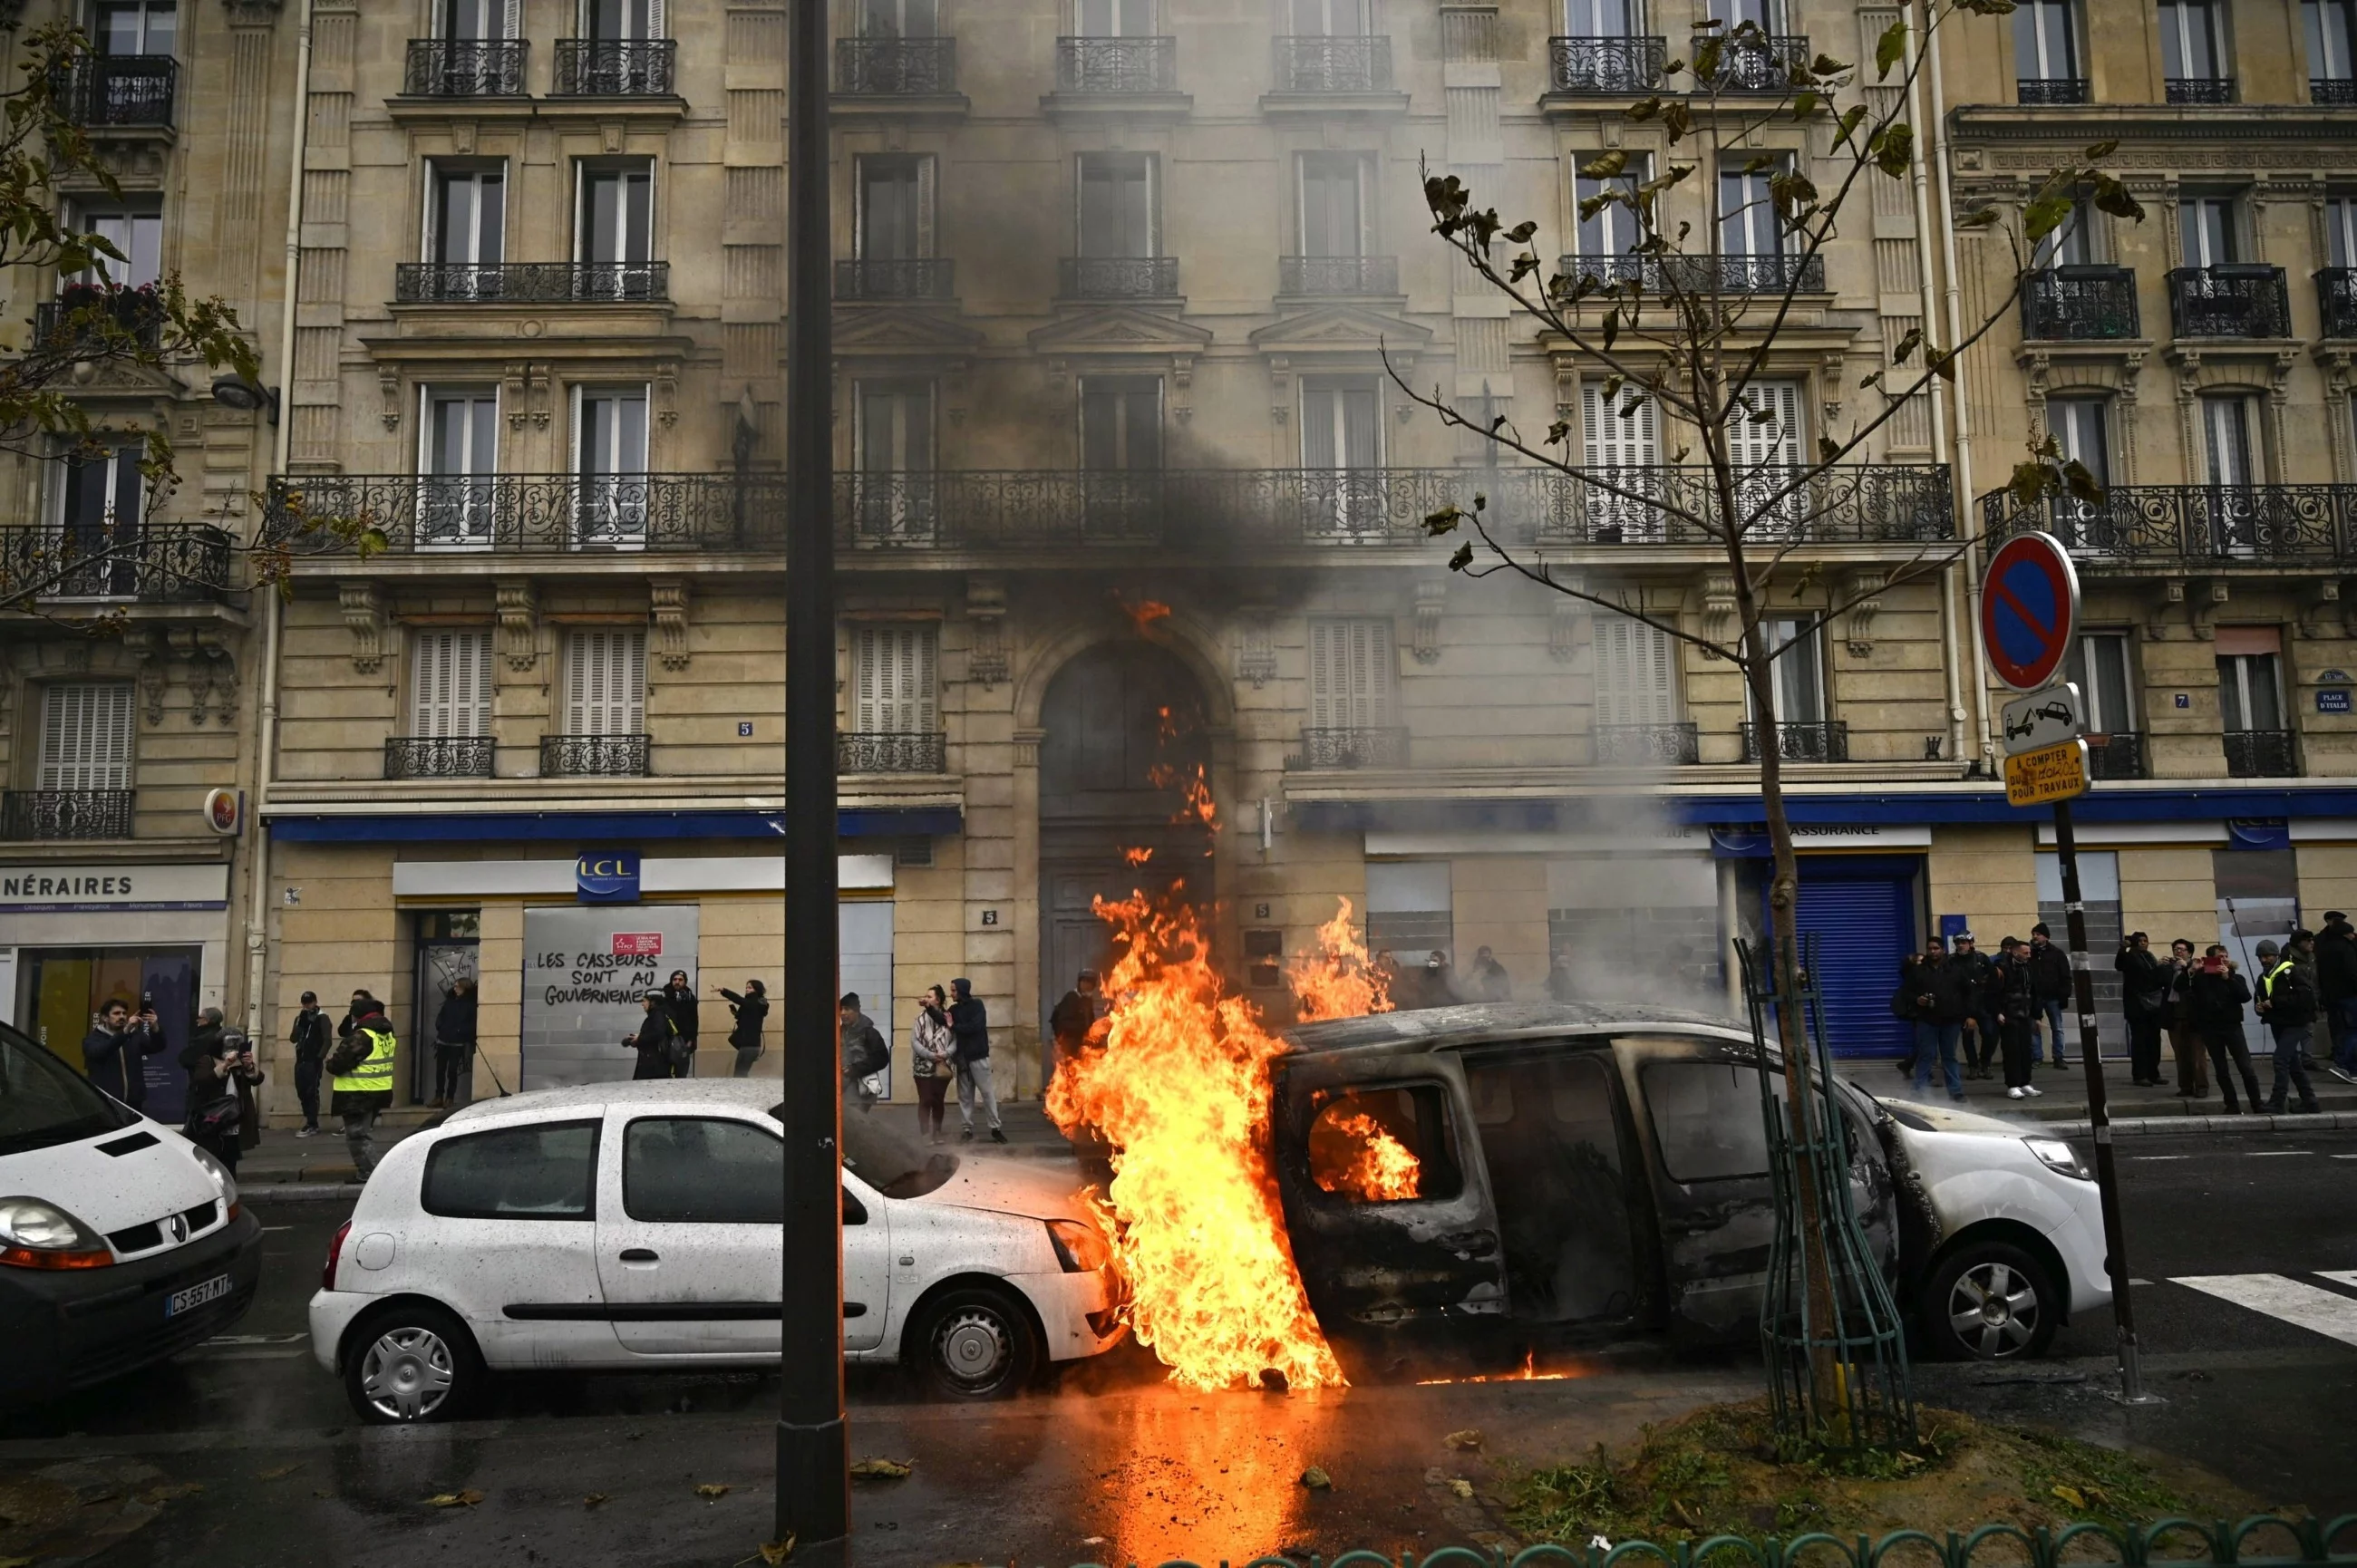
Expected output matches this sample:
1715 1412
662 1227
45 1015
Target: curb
2251 1126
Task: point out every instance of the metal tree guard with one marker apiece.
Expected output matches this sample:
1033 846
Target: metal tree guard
1841 1383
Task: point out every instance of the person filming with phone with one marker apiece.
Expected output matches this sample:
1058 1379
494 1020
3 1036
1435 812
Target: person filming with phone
223 1076
114 1053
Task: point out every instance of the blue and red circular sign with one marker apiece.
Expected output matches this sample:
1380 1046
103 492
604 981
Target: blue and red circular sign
2030 606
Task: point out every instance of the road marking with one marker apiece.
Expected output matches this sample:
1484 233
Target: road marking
2338 1276
2276 1153
2301 1306
268 1229
255 1338
2160 1156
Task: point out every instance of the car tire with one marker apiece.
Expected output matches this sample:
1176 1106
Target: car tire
1990 1301
974 1343
411 1363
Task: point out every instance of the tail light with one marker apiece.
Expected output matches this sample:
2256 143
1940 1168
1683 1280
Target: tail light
335 1255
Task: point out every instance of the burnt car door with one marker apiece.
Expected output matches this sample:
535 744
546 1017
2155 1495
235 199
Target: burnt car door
1391 1216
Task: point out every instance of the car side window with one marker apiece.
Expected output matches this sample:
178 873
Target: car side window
1706 1120
703 1170
1384 1145
543 1172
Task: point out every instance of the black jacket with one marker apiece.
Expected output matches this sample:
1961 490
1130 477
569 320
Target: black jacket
453 1024
2214 1002
2009 988
865 1048
1979 972
2144 982
681 1004
2336 963
750 1011
207 1043
2049 973
652 1042
2289 994
1075 1016
309 1036
1949 985
117 1063
970 1023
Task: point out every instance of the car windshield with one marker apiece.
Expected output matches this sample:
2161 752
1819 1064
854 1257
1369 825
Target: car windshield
886 1158
44 1103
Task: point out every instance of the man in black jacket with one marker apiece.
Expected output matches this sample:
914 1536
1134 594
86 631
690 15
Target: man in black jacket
2009 988
970 1025
679 1000
454 1040
865 1052
2144 986
2335 976
114 1053
309 1038
1943 999
2050 986
2286 999
1980 1017
749 1011
2214 998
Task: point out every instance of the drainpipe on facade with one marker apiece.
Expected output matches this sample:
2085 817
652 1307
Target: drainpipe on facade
1918 178
265 742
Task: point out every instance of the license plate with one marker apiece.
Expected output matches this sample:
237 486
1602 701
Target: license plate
195 1296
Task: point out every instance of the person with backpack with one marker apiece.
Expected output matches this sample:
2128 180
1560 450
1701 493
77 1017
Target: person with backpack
749 1011
865 1052
359 1071
657 1040
2288 1001
223 1076
2144 998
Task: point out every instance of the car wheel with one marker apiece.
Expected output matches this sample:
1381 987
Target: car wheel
975 1344
411 1363
1990 1301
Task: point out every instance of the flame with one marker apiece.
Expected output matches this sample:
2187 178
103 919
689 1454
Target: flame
1356 1155
1527 1372
1197 805
1143 613
1338 980
1138 854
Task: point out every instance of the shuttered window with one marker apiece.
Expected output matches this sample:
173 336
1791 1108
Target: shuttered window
86 728
1636 672
1352 673
892 679
606 683
450 685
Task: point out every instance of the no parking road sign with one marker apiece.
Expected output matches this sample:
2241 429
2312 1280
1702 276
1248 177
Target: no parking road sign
2030 606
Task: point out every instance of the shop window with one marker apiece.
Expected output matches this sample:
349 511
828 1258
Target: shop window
1384 1145
1408 914
2258 893
606 683
703 1170
86 736
59 990
545 1172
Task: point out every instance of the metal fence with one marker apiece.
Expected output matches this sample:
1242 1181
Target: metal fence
528 512
530 283
1759 64
1605 64
898 277
464 67
1117 65
595 756
439 755
899 67
118 90
2074 304
615 68
890 751
2237 301
65 814
2217 523
1334 63
132 560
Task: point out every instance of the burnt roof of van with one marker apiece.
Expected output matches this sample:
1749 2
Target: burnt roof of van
1380 1033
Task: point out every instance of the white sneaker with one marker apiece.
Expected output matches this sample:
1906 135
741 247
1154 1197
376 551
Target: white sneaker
2031 1089
307 1131
2015 1093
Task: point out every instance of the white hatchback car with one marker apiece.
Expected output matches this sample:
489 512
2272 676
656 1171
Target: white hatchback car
638 1226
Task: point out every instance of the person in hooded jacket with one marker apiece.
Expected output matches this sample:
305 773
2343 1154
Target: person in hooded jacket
2144 998
2336 981
223 1076
2009 987
679 1000
114 1053
2287 1000
2215 995
970 1025
748 1012
654 1040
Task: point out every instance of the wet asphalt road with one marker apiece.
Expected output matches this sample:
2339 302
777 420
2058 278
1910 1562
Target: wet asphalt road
1112 1465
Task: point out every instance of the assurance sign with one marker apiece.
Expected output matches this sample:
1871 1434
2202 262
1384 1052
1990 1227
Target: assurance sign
2048 774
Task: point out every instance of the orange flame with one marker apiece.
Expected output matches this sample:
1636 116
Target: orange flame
1357 1156
1144 613
1138 854
1199 806
1527 1372
1338 980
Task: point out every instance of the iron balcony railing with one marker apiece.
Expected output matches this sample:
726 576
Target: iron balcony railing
1360 63
908 67
2262 754
1119 277
1606 65
2050 90
2115 754
1813 740
595 756
527 514
1703 274
81 316
904 277
891 751
2229 300
2336 301
1677 744
153 563
2283 524
531 282
118 90
438 755
2337 90
1374 747
1338 274
1758 64
615 68
464 67
2079 303
1116 65
2200 89
65 814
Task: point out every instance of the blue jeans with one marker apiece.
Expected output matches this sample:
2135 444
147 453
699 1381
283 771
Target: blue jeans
2050 1009
1943 1039
2344 1033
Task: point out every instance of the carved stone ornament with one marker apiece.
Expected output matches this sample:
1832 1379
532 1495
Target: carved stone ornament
1255 645
670 598
986 606
2203 607
2166 596
388 385
148 646
1863 587
2318 604
1564 616
365 618
212 681
1717 613
519 617
1426 639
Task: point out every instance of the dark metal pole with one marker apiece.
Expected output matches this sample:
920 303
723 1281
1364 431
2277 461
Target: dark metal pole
2099 1120
813 1459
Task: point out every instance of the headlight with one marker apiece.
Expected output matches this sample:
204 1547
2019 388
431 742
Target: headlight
1081 1248
2059 1157
37 1235
221 1178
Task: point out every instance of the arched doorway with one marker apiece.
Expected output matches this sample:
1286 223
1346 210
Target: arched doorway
1119 717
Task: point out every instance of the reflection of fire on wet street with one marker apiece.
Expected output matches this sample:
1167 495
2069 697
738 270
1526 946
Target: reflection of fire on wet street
1196 1486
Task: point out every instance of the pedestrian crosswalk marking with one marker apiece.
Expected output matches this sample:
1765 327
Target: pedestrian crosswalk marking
2289 1300
2338 1276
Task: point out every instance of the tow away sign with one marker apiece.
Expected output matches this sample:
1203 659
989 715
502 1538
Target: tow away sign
2040 778
2044 718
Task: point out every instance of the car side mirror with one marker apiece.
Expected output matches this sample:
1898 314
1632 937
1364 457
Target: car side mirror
853 1211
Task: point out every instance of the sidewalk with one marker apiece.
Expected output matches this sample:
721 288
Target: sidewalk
2063 1092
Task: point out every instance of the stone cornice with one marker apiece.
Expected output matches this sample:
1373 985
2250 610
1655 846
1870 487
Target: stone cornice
2075 126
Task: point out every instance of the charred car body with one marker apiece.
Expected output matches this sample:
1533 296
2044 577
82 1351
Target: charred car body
1586 1173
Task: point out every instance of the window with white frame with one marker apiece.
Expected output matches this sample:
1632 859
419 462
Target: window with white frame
1797 676
102 512
896 426
2229 439
1342 423
2250 678
1603 18
1636 673
1118 206
605 682
450 684
2045 42
2331 53
2098 665
1620 441
1114 18
899 18
466 215
1764 14
623 21
1329 18
479 19
135 26
2340 226
2192 43
2207 232
86 736
1120 424
895 206
609 461
135 228
613 229
1748 224
892 679
458 458
1607 231
1334 218
1354 674
2072 244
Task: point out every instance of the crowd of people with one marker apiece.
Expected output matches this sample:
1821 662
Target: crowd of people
949 1043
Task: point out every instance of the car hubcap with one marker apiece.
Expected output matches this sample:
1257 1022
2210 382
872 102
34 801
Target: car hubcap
973 1347
1993 1310
407 1373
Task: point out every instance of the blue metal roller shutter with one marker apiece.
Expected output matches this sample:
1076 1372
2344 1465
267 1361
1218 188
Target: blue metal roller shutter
1862 911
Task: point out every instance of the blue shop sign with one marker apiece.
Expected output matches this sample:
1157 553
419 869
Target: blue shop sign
606 876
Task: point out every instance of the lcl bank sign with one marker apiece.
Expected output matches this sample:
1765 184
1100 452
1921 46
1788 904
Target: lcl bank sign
606 876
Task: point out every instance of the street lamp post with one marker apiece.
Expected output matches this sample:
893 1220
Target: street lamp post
813 1456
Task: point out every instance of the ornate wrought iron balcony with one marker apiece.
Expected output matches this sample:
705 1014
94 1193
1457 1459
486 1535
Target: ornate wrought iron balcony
891 751
118 90
2042 91
527 514
2229 301
1606 65
2336 301
1332 748
1116 65
438 757
159 563
1671 745
1119 277
1361 63
1703 274
2200 89
531 282
2173 524
2117 753
1759 64
908 67
2076 304
464 67
1337 276
615 68
1825 740
594 756
2262 754
2339 90
82 316
928 278
65 814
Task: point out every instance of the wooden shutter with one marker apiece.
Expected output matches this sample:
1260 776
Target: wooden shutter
511 18
1636 672
1777 443
86 736
1613 441
606 683
1351 671
925 199
450 679
656 19
893 680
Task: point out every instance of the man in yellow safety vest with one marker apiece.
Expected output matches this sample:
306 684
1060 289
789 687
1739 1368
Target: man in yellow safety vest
361 1069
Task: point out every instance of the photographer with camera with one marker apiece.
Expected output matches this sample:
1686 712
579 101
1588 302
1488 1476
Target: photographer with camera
223 1076
114 1053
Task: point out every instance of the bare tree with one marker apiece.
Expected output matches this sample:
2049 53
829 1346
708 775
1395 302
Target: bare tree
1685 327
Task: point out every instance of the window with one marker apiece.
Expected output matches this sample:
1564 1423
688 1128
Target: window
2070 246
613 231
545 1172
1747 223
135 26
479 19
459 454
2078 425
609 456
1636 672
1341 424
2340 228
450 685
1333 205
1763 15
1120 424
1766 457
1603 19
1409 911
2331 53
703 1170
2045 45
892 680
2206 231
895 428
86 730
2191 43
1706 1122
1384 1145
2228 444
1605 233
1118 217
2098 664
1797 677
466 216
136 230
606 683
2250 682
103 504
899 18
624 20
896 208
1352 673
1115 19
1622 443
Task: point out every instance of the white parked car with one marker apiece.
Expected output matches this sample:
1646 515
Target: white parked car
638 1226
